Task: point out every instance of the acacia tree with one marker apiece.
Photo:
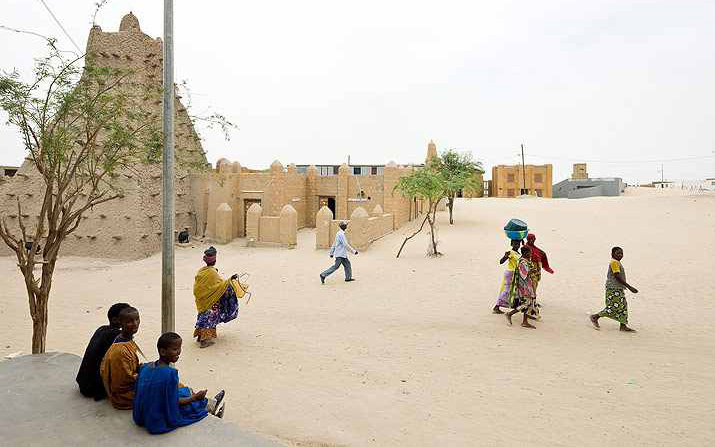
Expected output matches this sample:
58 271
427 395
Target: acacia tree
425 184
459 172
78 128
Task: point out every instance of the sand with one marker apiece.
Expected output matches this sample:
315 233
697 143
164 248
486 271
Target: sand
410 355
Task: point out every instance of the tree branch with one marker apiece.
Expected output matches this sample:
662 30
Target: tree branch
413 235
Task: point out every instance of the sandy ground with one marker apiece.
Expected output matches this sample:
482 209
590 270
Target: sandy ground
410 355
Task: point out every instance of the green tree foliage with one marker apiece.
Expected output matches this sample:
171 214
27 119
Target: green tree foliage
428 185
459 172
79 130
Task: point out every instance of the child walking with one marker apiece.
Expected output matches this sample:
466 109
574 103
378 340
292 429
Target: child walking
507 292
616 305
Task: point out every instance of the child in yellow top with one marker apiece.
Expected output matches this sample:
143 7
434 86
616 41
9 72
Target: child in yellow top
507 292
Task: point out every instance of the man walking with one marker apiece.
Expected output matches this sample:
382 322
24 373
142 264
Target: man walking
340 250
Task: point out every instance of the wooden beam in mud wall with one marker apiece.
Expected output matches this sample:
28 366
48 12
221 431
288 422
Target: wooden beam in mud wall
341 198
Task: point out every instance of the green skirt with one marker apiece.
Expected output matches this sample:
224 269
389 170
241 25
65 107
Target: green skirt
616 306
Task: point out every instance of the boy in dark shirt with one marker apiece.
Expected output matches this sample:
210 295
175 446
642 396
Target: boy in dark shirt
88 378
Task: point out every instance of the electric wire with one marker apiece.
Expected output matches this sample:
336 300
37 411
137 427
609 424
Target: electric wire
60 25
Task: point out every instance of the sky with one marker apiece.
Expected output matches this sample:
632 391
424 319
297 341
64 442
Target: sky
623 85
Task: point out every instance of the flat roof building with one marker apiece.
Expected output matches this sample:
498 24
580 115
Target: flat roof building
589 187
508 181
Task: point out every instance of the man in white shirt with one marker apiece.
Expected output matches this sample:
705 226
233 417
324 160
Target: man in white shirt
340 250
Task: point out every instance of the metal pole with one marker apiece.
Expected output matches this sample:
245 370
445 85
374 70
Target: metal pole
662 175
523 170
167 230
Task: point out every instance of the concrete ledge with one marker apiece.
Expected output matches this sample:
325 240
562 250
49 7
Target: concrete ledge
42 406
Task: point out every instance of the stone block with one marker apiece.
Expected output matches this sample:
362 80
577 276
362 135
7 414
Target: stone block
224 224
289 226
270 229
322 227
358 231
253 218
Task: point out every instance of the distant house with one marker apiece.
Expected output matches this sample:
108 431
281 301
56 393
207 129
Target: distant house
580 186
508 181
690 185
664 184
590 187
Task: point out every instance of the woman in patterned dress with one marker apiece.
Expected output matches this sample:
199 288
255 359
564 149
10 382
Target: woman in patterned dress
216 300
525 301
616 304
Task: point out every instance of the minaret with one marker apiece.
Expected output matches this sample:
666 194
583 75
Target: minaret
431 151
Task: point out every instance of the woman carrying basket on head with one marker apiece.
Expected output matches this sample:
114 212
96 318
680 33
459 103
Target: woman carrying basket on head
515 230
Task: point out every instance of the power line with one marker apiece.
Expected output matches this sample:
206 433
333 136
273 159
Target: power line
60 25
662 160
15 30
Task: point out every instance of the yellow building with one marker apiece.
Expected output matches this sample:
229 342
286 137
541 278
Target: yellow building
579 171
508 181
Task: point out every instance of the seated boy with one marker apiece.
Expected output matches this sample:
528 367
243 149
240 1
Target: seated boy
120 364
161 403
88 378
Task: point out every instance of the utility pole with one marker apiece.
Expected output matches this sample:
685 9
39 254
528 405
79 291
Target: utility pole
662 174
523 170
167 230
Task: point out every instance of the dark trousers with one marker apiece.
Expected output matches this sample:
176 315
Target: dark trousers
346 265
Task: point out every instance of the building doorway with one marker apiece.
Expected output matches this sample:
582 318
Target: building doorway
246 205
328 201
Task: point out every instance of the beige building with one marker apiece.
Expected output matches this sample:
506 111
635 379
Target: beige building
307 192
579 171
128 227
508 181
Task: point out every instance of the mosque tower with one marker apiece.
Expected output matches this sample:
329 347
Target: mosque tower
431 151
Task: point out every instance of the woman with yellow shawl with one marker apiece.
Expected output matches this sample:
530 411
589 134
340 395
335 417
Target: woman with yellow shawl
216 299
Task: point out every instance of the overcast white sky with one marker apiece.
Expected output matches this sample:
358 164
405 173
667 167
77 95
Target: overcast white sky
618 83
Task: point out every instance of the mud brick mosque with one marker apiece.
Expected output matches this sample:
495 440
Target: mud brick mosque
213 203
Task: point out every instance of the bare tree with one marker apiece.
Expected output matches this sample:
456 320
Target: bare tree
79 129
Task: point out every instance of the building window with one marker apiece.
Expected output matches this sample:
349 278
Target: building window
335 170
538 178
327 170
510 178
540 192
302 169
356 170
381 171
510 192
373 170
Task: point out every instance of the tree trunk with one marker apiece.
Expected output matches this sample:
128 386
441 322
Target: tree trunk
450 205
40 298
411 236
39 324
432 222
